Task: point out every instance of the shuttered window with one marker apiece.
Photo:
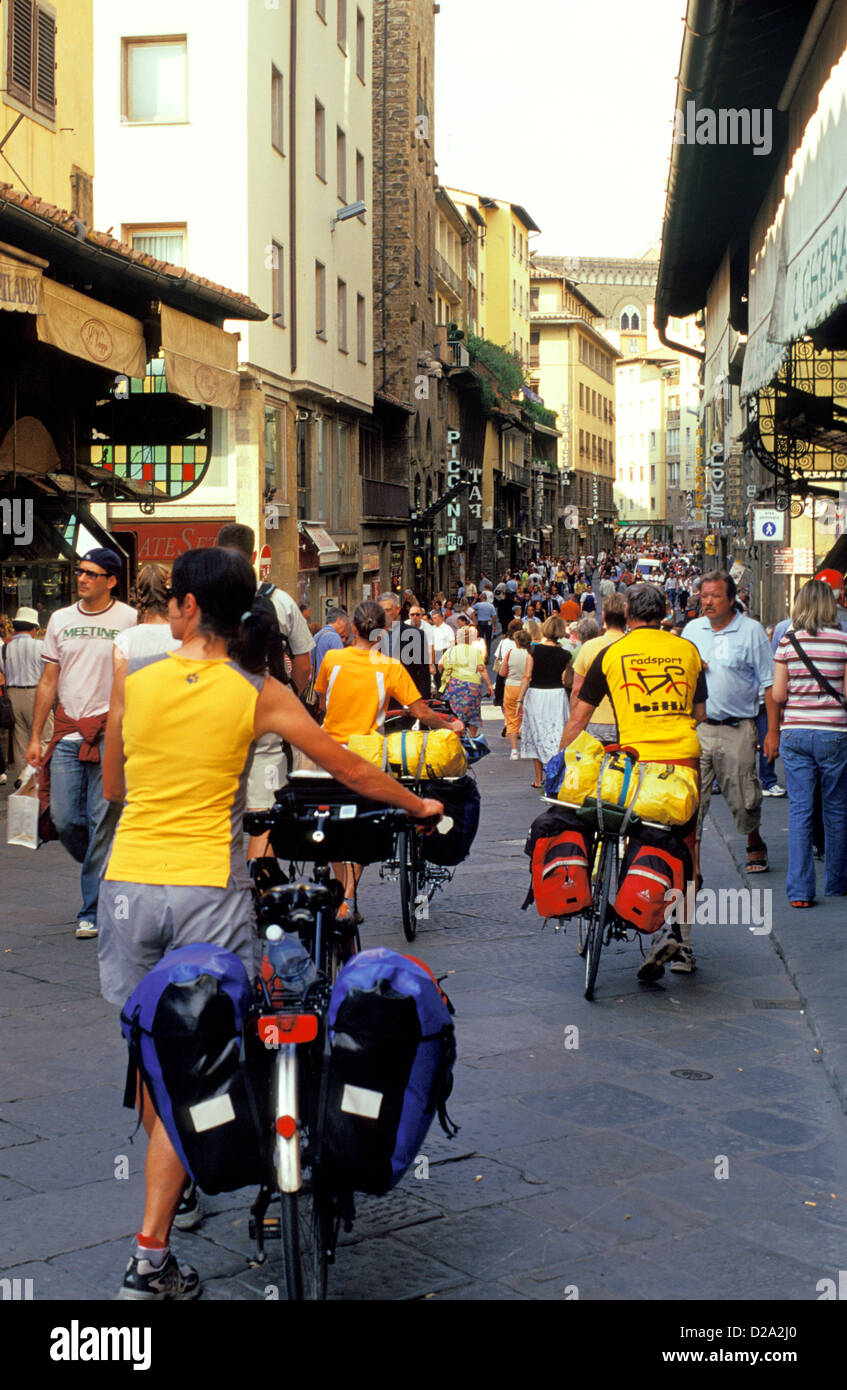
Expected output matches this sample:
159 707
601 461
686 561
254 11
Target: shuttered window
31 48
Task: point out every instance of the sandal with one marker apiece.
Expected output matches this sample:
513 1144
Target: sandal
536 786
757 860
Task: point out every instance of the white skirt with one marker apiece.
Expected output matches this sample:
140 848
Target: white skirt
545 713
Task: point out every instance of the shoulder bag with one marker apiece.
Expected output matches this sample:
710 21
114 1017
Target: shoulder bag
813 670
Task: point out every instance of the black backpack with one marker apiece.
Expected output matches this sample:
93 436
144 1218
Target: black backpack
280 656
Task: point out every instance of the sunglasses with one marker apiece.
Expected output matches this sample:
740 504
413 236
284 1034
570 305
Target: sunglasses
92 574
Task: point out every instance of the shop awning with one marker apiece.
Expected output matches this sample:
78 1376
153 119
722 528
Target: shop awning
798 277
201 361
328 552
20 281
96 332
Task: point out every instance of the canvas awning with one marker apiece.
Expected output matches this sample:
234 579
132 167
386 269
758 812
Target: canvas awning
328 552
201 361
798 276
20 281
96 332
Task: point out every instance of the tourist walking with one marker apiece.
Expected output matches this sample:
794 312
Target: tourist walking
542 698
810 685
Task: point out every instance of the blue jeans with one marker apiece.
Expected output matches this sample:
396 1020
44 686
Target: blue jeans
767 775
810 756
84 821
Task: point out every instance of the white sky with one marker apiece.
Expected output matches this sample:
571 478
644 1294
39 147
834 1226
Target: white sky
564 106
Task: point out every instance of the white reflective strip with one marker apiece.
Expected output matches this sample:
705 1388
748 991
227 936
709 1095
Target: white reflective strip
331 682
558 863
357 1101
380 709
208 1114
648 873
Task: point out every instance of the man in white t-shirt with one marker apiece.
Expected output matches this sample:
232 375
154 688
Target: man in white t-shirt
268 767
77 657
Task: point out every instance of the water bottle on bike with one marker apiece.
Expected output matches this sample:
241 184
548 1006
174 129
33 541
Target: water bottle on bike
291 963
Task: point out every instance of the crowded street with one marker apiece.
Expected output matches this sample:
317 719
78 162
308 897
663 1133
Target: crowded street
423 674
684 1140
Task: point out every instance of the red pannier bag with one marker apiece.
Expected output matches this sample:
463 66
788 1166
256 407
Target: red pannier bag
559 854
655 863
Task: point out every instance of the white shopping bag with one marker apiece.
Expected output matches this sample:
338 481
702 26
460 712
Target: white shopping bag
22 809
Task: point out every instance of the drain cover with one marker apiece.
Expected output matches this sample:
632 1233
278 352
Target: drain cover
778 1004
689 1074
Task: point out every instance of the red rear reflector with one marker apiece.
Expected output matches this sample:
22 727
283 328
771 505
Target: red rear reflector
287 1028
286 1126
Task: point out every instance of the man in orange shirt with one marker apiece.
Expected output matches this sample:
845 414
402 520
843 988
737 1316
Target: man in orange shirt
354 686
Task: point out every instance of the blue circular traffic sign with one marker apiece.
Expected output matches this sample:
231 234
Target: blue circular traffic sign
768 528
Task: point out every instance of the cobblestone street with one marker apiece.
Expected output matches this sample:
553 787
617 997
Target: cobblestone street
678 1141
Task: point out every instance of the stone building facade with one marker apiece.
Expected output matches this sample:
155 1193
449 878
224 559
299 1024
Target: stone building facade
410 406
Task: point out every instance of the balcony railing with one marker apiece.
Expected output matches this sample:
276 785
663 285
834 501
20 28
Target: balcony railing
448 275
459 355
672 419
383 500
535 357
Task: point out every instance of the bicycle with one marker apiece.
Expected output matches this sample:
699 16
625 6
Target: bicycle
420 879
599 925
313 820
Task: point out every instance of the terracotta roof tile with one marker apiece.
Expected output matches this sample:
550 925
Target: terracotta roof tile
60 217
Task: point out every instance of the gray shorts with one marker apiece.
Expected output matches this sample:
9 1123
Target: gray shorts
268 772
138 923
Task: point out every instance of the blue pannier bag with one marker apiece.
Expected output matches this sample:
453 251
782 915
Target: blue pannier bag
184 1025
450 842
554 774
393 1048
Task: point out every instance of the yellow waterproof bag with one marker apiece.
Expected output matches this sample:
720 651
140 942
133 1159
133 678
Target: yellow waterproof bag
368 746
668 794
582 764
428 753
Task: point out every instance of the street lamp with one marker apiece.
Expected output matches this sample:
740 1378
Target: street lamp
351 210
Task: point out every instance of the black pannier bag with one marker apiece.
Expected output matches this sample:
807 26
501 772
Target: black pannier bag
185 1027
448 846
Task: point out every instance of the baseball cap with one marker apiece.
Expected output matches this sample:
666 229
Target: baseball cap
107 560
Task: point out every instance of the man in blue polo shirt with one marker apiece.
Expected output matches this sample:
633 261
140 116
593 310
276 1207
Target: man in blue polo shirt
739 664
333 635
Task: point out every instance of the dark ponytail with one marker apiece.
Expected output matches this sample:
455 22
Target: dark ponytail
224 587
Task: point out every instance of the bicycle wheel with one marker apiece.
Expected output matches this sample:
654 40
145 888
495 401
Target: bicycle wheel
306 1228
583 921
408 856
605 884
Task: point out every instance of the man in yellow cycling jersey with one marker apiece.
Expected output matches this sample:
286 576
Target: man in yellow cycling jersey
656 686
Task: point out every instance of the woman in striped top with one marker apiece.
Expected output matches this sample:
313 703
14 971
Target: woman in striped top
814 740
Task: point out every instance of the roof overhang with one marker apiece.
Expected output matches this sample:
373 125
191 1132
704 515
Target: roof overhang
735 57
115 272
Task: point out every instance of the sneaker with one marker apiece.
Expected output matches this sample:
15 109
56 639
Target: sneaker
514 755
776 790
190 1212
2 779
169 1280
85 929
667 948
684 963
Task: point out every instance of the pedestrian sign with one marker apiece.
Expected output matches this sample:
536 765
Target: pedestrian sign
768 524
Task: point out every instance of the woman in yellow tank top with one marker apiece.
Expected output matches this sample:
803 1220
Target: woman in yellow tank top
179 731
